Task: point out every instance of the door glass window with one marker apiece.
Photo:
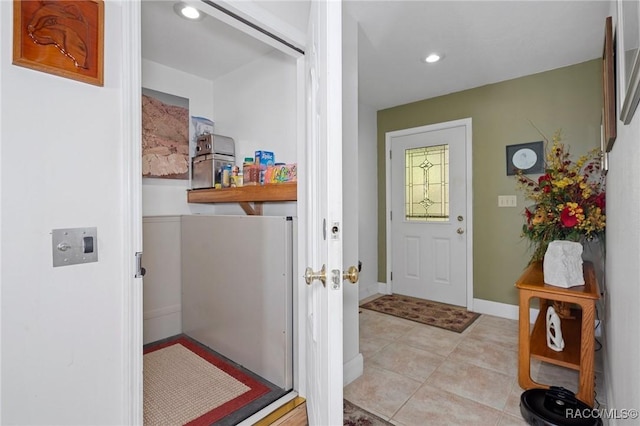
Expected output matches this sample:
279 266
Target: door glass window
427 184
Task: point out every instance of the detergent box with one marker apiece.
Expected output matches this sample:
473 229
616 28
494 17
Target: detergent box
264 159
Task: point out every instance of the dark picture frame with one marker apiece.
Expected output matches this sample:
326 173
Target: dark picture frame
609 86
536 147
73 49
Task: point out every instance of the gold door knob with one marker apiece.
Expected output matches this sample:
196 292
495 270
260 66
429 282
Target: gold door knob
309 275
352 275
460 231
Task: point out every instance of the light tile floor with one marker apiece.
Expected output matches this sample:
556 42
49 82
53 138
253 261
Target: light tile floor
415 374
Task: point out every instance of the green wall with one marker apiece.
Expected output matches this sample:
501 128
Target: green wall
502 114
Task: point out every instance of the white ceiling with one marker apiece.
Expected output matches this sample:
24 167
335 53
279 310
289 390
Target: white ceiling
483 42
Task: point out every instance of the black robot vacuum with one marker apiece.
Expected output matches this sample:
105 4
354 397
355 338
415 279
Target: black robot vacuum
556 406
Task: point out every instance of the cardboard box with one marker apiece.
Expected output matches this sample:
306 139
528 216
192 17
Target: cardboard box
281 173
264 159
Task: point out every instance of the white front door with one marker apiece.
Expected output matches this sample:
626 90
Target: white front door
323 380
429 213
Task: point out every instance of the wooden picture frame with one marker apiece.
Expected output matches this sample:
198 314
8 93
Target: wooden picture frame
629 58
604 155
64 38
609 86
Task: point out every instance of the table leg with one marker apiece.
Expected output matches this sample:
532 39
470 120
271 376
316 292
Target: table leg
524 347
587 378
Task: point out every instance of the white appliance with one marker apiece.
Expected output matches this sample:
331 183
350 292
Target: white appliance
237 290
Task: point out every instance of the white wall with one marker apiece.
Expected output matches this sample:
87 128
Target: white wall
169 196
162 284
622 316
353 362
62 147
256 106
368 200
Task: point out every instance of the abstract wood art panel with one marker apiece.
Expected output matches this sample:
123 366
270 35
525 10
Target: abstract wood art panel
64 38
165 136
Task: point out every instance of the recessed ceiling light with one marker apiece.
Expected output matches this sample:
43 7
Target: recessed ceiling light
433 57
187 12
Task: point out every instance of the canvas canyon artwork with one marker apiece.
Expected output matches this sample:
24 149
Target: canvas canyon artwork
165 136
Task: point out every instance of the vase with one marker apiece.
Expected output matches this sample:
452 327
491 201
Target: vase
563 309
562 265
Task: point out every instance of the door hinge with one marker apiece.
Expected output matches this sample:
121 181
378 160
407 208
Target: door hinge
140 271
391 277
390 215
390 156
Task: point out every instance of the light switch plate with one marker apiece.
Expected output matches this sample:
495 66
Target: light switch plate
507 201
70 247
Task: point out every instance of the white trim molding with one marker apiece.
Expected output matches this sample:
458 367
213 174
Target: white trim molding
502 310
131 205
161 312
384 288
352 369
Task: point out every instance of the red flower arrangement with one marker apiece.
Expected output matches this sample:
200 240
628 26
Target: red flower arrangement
569 199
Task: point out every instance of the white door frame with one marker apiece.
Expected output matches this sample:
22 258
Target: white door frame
131 210
320 307
466 122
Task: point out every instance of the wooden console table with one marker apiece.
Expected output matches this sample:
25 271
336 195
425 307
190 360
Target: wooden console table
578 333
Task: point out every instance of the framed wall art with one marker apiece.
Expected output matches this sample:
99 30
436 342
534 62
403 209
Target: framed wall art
525 157
609 86
629 61
65 38
165 135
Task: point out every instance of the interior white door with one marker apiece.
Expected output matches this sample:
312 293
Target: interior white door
429 212
323 216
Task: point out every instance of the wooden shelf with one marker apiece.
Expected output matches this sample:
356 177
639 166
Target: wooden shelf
256 194
570 356
577 331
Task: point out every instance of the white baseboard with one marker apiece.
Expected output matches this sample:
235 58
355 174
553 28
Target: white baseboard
372 290
608 389
161 323
383 288
502 310
367 291
161 312
352 369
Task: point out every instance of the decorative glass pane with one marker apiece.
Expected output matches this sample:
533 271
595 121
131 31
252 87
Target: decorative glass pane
427 184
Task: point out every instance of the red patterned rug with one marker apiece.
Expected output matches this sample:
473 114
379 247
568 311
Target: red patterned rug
449 317
186 384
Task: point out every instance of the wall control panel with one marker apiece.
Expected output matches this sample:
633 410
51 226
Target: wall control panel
72 246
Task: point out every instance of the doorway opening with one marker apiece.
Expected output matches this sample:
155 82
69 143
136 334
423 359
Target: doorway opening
250 92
